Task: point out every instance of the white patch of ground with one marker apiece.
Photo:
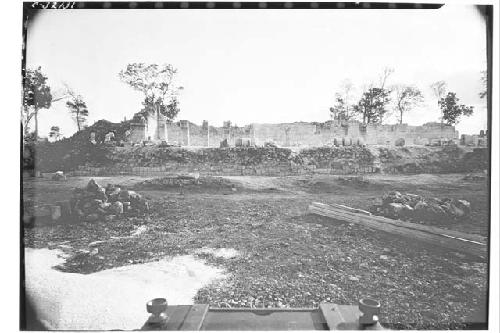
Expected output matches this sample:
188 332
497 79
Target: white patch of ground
139 230
219 253
111 299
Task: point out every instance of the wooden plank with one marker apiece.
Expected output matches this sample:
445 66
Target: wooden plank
195 317
431 229
445 241
452 240
456 234
452 243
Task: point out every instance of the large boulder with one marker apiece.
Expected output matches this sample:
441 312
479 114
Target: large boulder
92 186
394 209
116 208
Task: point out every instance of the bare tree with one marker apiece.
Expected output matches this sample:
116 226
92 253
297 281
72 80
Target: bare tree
407 97
346 88
388 71
439 89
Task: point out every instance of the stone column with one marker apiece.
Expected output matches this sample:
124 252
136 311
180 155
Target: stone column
206 127
185 132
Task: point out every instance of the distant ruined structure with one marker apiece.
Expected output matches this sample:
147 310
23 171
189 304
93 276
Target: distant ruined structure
298 134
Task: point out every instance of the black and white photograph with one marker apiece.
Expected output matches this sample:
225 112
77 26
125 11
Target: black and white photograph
256 166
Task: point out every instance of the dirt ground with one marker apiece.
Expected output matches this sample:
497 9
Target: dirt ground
287 257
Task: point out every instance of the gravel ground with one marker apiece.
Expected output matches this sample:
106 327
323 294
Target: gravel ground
289 258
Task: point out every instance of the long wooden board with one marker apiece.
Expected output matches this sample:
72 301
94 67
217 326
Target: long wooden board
453 240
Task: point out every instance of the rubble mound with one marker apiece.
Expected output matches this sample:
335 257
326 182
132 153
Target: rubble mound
95 202
190 181
412 207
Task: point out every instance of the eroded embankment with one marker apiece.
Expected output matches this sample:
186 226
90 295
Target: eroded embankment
156 160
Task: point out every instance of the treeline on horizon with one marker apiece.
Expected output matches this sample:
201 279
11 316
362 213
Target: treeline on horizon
158 85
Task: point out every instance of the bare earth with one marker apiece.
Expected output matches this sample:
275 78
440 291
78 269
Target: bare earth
286 257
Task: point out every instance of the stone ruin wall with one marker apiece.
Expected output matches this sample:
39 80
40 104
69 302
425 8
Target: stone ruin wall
300 134
154 161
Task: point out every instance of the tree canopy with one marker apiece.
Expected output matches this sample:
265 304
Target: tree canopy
372 105
407 97
78 108
36 96
157 83
55 132
169 111
340 110
451 110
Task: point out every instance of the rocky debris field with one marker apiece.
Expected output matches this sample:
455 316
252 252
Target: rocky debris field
288 258
413 207
95 202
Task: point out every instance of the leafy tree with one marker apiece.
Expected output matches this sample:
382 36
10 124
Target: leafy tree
78 108
451 110
36 96
169 111
342 107
407 97
372 105
339 111
157 83
55 133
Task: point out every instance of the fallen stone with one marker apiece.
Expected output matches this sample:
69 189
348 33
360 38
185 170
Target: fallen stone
59 175
395 209
464 205
92 186
116 208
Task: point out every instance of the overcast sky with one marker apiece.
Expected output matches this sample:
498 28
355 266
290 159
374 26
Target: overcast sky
258 66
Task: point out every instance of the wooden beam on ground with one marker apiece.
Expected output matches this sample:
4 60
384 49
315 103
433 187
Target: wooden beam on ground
453 240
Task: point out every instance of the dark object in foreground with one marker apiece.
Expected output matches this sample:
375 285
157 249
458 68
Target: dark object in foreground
466 243
200 317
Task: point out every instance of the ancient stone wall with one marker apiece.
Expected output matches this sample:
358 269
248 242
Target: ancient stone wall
300 134
157 161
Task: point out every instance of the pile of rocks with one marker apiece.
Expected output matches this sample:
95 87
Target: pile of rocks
95 202
417 208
